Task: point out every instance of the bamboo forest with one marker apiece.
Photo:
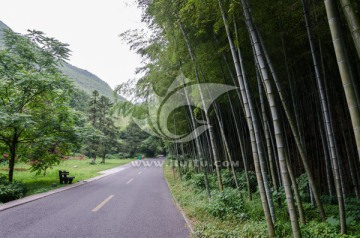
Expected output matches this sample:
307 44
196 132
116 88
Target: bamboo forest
281 157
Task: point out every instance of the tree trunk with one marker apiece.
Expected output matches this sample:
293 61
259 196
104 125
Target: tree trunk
267 135
103 158
227 149
94 158
246 100
12 161
295 132
327 161
276 122
297 194
210 129
242 149
353 22
240 139
352 168
327 121
257 135
343 61
197 143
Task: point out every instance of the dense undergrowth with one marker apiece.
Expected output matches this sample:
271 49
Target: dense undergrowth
232 214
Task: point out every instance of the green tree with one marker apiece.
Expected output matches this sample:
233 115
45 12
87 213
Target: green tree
106 126
132 138
103 136
35 120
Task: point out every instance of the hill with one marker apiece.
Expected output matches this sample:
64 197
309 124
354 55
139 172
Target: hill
83 79
86 80
2 27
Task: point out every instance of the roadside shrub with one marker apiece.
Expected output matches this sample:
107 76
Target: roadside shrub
113 156
187 176
254 209
3 179
214 231
123 155
242 181
319 230
11 191
198 181
227 179
254 229
282 228
303 186
352 208
225 204
279 195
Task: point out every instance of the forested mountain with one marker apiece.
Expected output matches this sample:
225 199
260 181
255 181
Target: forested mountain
2 26
83 79
86 80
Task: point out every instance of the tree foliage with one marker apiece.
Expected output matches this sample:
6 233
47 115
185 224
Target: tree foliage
36 122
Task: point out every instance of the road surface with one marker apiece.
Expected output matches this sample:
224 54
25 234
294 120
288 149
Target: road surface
134 203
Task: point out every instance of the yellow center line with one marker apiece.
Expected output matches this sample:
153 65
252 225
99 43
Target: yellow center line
102 203
129 181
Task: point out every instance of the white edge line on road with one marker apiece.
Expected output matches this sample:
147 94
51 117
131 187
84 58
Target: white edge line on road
102 204
129 181
139 172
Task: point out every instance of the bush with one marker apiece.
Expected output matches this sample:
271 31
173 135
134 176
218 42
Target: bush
124 155
227 179
352 208
319 229
187 176
242 181
196 180
114 156
254 229
214 231
11 191
225 204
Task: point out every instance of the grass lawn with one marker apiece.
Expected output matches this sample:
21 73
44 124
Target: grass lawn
81 169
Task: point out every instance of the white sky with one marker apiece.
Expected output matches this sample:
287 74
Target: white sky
91 27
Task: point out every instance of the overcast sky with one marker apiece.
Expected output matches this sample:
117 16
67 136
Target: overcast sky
90 27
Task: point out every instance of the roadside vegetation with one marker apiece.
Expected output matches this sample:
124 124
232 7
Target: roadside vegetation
232 214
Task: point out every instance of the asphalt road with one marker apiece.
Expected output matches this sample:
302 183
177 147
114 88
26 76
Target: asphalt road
134 203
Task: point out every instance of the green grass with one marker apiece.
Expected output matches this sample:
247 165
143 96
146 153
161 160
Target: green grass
81 169
195 204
